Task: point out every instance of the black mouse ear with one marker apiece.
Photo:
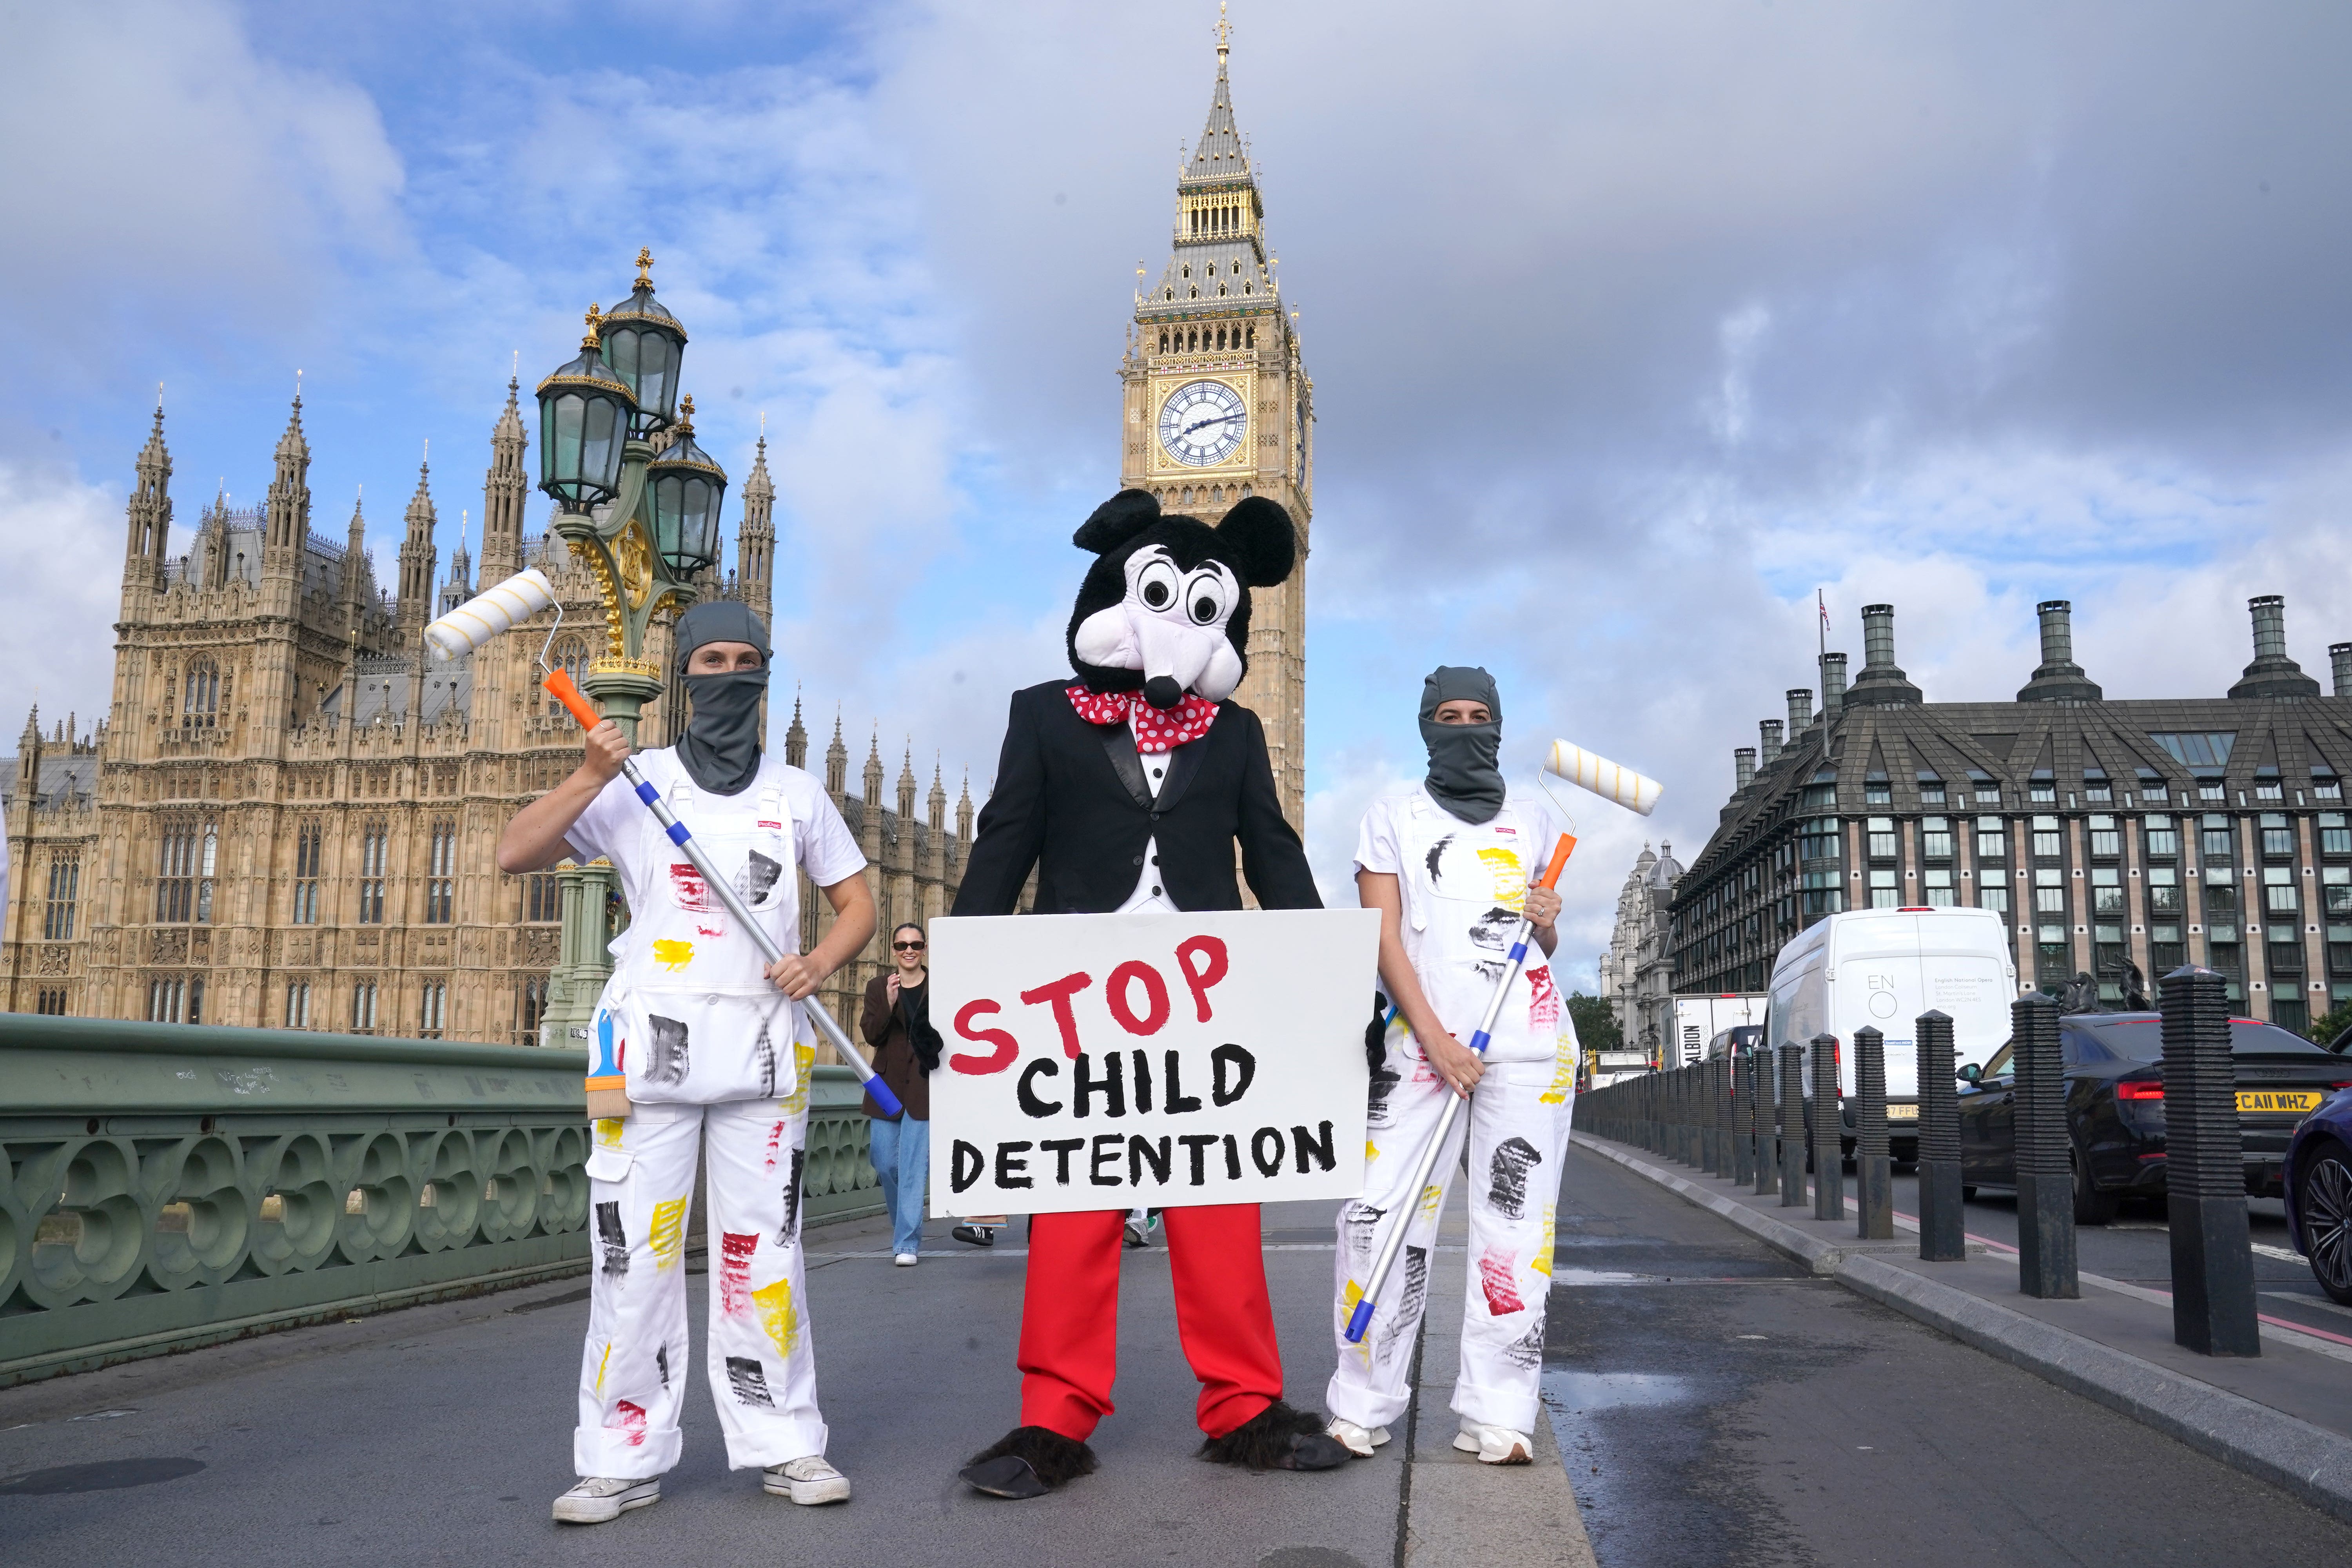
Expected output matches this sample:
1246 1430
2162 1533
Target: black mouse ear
1116 521
1259 537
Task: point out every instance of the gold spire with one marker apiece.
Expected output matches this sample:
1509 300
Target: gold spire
645 268
595 339
1224 35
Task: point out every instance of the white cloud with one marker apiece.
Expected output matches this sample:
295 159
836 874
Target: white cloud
61 545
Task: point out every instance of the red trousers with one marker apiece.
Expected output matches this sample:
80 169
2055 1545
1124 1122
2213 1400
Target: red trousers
1069 1316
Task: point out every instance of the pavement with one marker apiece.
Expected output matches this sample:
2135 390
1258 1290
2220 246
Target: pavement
2284 1416
441 1433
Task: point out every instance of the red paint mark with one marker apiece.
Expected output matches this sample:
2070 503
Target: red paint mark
628 1417
687 885
1499 1274
735 1271
1543 1003
775 1138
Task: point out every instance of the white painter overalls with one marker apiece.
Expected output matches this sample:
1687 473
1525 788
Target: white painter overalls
713 1056
1463 886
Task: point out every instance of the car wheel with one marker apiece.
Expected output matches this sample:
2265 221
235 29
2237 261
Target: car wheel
2091 1206
2324 1201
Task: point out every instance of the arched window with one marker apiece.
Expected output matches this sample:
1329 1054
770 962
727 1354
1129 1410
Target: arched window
571 656
1216 495
200 699
1251 336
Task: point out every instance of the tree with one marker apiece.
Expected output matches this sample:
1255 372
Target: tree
2322 1031
1596 1024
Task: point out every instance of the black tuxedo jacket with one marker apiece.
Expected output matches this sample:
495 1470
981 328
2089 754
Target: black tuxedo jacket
1070 800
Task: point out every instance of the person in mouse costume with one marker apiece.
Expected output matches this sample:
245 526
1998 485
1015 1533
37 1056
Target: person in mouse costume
1127 789
714 1053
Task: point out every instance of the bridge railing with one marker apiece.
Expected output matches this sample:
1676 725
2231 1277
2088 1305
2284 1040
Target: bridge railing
166 1185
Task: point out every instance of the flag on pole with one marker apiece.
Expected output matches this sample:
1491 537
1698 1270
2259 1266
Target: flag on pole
1823 604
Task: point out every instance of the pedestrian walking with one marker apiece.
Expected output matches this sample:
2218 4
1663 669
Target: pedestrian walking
896 1023
715 1059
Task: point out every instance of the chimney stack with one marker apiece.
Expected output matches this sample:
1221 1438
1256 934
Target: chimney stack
1881 682
2271 674
2340 655
2059 678
1800 710
1743 759
1832 685
1771 748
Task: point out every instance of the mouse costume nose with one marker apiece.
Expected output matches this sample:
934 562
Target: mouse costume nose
1163 692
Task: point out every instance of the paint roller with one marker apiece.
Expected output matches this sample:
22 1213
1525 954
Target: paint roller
1587 770
495 609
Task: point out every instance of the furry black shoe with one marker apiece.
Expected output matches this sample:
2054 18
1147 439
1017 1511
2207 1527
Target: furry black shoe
1278 1437
1028 1461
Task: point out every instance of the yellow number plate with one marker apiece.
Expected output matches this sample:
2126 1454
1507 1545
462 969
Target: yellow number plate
2293 1101
1902 1114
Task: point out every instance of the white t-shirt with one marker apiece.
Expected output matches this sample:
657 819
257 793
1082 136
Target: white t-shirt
612 827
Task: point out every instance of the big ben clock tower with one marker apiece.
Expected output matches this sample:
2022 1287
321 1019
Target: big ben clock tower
1218 406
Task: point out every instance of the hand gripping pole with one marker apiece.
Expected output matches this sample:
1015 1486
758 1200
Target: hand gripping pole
559 685
1359 1320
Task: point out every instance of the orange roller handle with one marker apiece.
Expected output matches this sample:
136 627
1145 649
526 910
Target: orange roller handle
1559 854
560 686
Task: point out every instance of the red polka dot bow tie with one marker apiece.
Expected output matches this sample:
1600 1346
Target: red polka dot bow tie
1155 731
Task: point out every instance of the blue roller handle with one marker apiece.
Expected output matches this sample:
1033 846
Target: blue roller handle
725 889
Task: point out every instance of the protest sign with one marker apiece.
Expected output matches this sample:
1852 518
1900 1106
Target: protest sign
1160 1060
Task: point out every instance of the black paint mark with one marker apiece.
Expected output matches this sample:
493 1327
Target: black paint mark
669 1062
1407 1316
1363 1230
661 1362
615 1239
1437 853
103 1476
1376 1109
750 1380
759 875
792 1226
1513 1158
765 1047
1528 1350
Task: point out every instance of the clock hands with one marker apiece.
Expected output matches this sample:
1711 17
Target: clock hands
1204 423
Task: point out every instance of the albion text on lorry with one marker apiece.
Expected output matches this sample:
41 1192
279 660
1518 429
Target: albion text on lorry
1160 1060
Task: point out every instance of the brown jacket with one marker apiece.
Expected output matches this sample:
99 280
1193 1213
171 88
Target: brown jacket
885 1028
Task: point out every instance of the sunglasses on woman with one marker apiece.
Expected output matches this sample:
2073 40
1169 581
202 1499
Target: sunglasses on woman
906 946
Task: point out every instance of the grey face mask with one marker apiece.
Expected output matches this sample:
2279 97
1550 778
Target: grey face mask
1465 773
721 747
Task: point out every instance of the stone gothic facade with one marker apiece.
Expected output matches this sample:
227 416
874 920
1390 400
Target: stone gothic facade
286 818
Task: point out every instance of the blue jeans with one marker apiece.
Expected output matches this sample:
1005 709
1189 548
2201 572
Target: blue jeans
901 1151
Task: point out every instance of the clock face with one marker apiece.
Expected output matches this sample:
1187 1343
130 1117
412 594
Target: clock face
1203 423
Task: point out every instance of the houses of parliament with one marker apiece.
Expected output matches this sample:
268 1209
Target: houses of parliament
287 816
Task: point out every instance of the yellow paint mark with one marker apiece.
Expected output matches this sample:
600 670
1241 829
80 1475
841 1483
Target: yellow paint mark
1510 876
777 1315
1542 1265
672 955
804 1063
667 1235
1430 1197
602 1362
1353 1294
1563 1073
1371 1149
608 1132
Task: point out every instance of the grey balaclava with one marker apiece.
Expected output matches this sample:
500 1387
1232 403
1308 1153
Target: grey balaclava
721 747
1463 776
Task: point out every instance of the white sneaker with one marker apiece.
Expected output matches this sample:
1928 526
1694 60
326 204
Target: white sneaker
598 1499
1357 1440
807 1482
906 1260
1496 1445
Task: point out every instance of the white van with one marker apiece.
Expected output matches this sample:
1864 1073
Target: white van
1882 969
1698 1019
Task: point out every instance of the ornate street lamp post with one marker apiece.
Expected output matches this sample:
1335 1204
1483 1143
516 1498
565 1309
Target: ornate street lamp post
637 502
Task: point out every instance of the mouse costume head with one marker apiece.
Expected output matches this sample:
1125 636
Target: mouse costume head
721 747
1165 610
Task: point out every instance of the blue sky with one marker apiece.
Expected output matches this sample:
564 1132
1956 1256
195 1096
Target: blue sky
1630 327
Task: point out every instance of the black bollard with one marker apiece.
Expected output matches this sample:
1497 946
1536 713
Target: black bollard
1791 1139
1829 1164
1759 1095
1874 1174
2045 1167
1709 1160
1743 1119
1942 1233
1718 1080
2205 1172
1692 1131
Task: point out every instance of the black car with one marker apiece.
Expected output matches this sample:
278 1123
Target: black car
2114 1107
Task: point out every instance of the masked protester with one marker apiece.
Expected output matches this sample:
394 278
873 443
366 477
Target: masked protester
1450 864
710 1042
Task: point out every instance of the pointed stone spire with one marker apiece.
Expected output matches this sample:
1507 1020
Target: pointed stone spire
837 761
1219 271
289 506
417 555
874 770
938 801
150 511
964 810
504 489
458 587
29 758
755 538
796 738
906 783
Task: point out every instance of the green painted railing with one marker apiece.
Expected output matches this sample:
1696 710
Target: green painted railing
165 1186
